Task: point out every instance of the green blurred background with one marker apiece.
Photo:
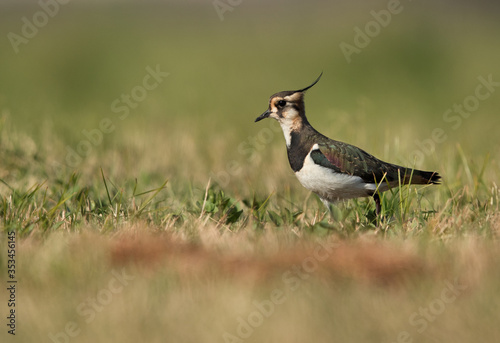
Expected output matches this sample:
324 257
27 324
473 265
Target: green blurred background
222 72
198 124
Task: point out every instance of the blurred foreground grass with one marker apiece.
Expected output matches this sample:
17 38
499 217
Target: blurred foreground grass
197 204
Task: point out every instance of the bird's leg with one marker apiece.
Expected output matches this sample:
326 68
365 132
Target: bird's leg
328 206
378 207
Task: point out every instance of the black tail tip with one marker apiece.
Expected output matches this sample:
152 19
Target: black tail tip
434 178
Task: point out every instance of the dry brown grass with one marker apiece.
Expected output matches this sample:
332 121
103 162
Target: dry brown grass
210 283
367 261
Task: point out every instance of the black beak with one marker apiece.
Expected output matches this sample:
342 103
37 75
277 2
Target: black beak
263 116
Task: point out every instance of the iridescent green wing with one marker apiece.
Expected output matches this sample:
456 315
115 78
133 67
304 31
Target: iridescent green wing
348 159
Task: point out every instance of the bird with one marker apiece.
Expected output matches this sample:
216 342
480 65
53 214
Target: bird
332 169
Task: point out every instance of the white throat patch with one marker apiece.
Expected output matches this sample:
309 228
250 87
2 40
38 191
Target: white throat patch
292 122
286 126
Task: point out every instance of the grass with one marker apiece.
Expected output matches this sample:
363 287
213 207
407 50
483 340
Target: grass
185 222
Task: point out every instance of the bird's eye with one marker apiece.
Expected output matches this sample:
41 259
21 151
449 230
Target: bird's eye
281 103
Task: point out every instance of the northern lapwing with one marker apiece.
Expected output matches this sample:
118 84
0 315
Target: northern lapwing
334 170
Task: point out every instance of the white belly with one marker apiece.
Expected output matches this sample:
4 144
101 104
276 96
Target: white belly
332 186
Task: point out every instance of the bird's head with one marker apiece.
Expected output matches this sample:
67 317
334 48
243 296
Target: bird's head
287 107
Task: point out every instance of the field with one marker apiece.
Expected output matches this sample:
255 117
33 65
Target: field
148 206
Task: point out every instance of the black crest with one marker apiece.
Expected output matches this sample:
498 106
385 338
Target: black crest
315 82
